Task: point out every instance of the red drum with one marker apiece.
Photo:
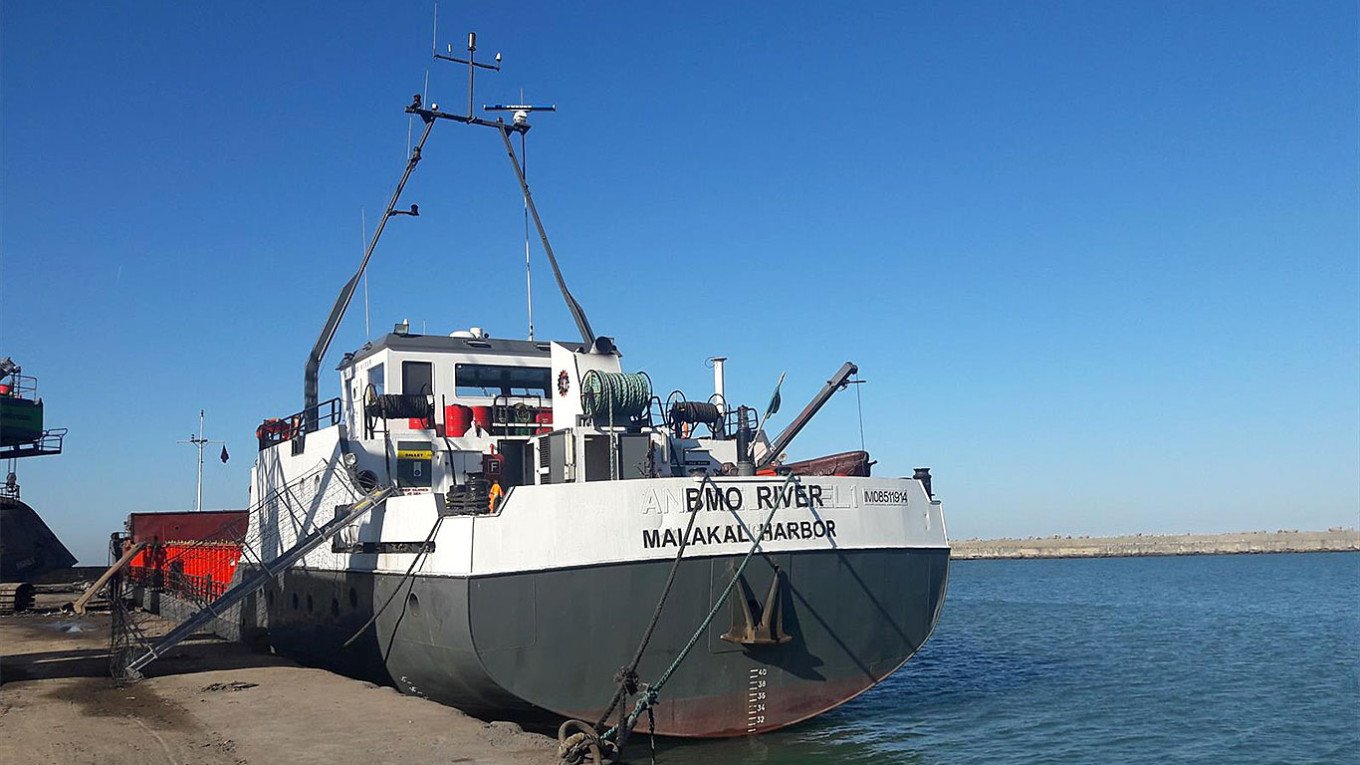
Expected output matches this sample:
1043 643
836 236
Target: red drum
544 418
482 416
457 419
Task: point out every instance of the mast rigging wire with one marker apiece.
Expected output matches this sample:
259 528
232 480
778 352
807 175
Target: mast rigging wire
363 243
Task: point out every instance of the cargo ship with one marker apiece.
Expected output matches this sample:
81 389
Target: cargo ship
526 526
28 548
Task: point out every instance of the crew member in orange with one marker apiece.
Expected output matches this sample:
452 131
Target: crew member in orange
494 496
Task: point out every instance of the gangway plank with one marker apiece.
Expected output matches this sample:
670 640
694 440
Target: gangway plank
257 580
78 605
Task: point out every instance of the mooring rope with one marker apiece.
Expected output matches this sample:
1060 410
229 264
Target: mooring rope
424 548
572 749
628 675
614 395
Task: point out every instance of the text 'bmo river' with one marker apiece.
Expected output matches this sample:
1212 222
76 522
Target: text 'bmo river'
733 498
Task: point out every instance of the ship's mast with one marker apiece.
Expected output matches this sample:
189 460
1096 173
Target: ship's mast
200 442
520 126
429 115
323 342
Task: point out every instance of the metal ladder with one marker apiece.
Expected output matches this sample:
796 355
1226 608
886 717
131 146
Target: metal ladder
257 580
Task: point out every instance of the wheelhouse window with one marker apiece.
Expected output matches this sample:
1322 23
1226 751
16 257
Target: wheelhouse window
491 380
377 379
417 377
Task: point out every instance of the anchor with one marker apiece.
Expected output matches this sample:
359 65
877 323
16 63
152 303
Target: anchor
770 628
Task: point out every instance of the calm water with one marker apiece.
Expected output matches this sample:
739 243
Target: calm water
1213 659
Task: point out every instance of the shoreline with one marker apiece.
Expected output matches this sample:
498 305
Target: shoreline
1148 545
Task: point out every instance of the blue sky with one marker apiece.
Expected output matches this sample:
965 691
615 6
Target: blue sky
1097 261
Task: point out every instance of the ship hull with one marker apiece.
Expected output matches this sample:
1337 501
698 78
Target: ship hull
553 640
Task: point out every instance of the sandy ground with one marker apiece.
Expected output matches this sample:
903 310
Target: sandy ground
211 702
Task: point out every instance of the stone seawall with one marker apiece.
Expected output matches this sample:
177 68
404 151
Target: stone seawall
1332 540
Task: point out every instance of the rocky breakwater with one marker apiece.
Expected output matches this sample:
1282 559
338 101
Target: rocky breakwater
1337 539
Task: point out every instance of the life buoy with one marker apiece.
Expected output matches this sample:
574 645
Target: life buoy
270 430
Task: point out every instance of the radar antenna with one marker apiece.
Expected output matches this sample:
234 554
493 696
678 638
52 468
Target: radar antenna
578 314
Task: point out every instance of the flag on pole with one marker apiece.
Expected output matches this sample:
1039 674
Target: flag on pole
224 454
775 400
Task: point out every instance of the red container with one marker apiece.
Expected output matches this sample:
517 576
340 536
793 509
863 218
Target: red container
208 526
193 554
482 416
457 419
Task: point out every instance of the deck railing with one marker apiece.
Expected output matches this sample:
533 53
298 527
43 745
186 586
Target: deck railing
296 426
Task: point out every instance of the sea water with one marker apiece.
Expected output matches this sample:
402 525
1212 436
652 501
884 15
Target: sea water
1199 659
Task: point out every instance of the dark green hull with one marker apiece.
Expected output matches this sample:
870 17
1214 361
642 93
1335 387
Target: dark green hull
28 548
553 640
21 420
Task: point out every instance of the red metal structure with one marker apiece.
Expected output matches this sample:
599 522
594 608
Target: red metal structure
191 554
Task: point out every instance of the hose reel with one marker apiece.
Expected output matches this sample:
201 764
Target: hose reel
615 397
689 413
397 406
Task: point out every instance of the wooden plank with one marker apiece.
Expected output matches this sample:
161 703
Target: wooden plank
78 606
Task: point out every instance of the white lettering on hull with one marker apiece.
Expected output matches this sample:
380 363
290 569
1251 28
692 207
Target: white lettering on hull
770 496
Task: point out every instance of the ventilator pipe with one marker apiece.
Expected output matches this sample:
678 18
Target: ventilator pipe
720 383
922 474
745 467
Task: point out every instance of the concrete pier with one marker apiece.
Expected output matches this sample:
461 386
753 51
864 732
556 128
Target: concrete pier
1332 540
212 702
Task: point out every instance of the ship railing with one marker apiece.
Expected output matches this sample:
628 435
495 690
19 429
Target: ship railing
659 411
296 426
290 521
736 418
19 386
195 573
50 442
516 415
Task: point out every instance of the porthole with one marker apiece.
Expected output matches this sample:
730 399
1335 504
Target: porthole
309 604
413 604
295 601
